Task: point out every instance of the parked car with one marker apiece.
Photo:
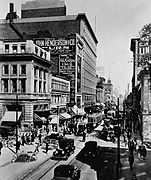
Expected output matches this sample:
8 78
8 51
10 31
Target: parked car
65 149
66 172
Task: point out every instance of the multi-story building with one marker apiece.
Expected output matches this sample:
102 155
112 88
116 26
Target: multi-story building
70 39
141 91
24 80
100 90
108 91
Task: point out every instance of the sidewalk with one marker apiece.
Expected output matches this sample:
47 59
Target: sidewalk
7 154
141 167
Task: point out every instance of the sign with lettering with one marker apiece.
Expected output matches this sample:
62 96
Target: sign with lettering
67 63
58 45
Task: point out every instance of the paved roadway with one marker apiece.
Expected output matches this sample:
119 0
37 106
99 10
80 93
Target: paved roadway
45 171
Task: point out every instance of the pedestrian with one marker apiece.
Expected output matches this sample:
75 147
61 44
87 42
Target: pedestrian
27 139
143 152
64 131
134 177
131 160
1 146
23 139
18 145
47 146
131 146
84 136
39 138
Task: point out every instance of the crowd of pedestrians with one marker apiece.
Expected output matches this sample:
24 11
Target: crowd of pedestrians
135 147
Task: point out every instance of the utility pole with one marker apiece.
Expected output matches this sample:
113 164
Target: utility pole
118 163
16 123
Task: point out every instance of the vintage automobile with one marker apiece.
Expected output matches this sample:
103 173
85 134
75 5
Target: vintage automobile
90 150
65 149
66 172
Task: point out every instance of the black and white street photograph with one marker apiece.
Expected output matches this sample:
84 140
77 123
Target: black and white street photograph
75 90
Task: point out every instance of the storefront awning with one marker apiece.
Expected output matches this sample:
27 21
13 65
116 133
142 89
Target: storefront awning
54 119
64 115
37 118
99 128
10 116
81 111
98 116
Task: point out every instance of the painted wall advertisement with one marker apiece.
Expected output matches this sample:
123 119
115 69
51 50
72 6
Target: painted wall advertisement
63 52
67 68
58 45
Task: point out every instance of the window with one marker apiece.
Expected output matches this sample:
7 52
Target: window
23 85
40 86
14 85
40 74
44 87
35 85
35 72
14 47
23 48
5 69
44 75
5 85
14 69
23 69
6 48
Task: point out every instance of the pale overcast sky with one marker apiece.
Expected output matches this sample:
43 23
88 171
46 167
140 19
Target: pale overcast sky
117 21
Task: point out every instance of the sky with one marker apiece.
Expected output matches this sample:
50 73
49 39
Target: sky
115 22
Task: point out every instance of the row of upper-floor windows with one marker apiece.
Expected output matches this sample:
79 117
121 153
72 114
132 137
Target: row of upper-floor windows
88 98
89 75
39 73
39 86
15 48
59 98
89 89
13 85
14 69
60 86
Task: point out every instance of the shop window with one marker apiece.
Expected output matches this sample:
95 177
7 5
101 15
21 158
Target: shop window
14 69
23 69
5 69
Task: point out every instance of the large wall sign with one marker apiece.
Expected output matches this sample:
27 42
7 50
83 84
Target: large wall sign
67 63
58 45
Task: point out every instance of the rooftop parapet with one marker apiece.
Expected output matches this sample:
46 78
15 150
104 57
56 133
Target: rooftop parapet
23 47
